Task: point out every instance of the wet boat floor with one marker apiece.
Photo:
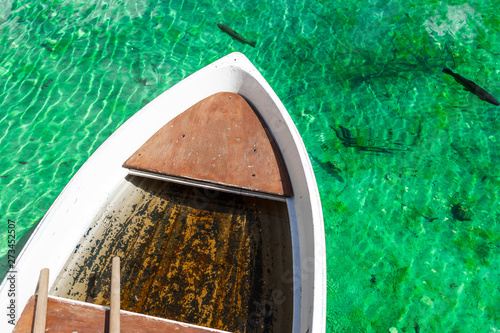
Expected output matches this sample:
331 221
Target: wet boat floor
199 256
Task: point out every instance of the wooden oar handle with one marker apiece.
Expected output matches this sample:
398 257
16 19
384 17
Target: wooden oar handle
114 312
41 302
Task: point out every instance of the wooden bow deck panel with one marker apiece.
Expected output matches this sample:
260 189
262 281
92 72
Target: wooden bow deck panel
70 316
203 257
219 140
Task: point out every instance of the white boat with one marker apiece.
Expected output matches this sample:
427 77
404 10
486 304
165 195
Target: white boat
214 156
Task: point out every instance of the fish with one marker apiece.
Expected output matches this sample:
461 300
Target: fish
349 141
460 213
374 149
235 35
47 84
345 136
48 48
330 168
473 88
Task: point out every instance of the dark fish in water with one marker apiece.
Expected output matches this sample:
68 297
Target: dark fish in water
373 149
345 137
48 48
47 84
235 35
460 213
348 140
472 87
331 168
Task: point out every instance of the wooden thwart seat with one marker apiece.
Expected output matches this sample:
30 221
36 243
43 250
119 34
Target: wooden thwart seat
43 313
219 140
72 316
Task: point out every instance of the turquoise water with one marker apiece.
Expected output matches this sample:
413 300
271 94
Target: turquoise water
407 161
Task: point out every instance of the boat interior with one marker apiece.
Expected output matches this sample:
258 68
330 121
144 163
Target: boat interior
193 255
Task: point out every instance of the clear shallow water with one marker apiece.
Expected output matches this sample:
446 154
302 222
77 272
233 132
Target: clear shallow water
412 221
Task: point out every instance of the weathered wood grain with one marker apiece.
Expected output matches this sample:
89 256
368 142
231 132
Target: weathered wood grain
219 140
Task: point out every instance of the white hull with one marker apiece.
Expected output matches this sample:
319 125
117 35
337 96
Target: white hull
69 217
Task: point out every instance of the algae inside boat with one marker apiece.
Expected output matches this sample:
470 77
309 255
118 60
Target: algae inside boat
203 257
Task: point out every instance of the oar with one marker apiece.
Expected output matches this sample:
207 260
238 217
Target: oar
41 302
114 311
